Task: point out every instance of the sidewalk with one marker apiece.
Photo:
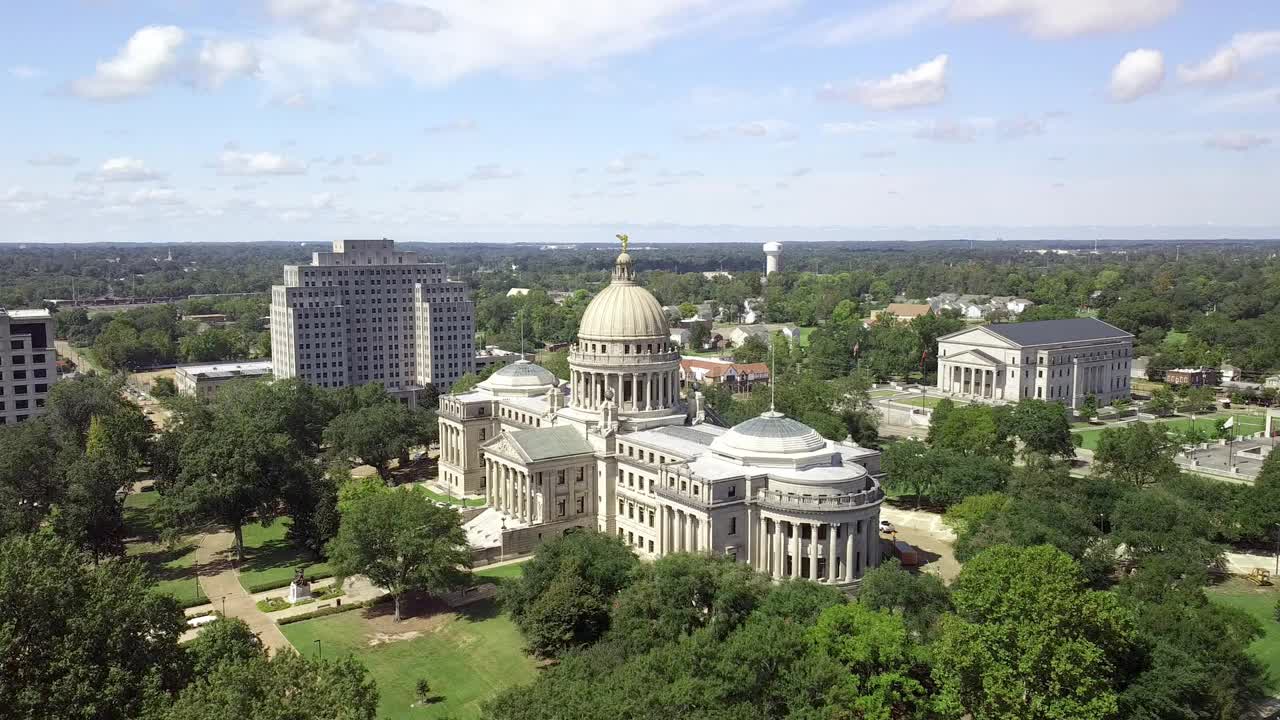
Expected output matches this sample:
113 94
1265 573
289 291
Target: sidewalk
222 587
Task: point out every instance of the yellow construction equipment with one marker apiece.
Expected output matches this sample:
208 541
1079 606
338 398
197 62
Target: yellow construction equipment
1259 576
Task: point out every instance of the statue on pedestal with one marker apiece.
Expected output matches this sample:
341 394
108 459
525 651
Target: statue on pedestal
299 589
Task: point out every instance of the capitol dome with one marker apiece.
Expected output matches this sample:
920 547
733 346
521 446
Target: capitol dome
520 378
624 310
770 433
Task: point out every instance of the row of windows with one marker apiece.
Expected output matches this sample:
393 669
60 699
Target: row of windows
22 389
22 404
22 374
36 359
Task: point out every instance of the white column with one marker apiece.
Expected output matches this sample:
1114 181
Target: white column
849 546
831 553
777 563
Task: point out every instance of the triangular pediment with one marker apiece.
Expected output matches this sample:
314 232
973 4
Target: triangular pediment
978 336
504 446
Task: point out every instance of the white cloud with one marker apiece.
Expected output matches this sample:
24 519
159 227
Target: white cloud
370 159
153 196
221 61
460 125
232 162
925 84
1238 141
324 201
1138 73
1224 65
147 59
493 171
850 128
53 159
1068 18
438 42
21 201
878 154
25 72
801 172
123 169
949 131
338 179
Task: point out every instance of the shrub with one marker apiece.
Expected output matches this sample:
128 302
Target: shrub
333 610
273 604
280 583
423 690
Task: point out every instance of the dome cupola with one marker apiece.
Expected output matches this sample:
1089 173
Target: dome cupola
520 379
624 311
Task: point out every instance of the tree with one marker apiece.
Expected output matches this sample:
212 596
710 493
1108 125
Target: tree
1043 427
753 349
1154 521
569 613
1029 642
402 541
92 514
603 562
284 686
957 476
1089 408
971 430
374 435
907 468
1199 400
83 641
464 384
688 310
921 599
875 648
1162 401
1136 454
164 387
226 640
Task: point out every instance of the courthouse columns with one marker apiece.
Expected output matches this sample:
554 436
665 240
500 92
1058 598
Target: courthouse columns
831 552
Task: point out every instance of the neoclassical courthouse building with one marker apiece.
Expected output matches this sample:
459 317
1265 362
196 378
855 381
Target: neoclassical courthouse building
618 449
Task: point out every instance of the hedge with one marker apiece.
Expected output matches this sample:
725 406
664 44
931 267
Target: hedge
331 610
277 584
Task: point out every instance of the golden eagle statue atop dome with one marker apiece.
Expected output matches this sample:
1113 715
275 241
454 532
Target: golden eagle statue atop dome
623 237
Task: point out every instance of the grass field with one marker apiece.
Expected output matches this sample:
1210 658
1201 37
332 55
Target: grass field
884 393
270 557
467 656
503 571
921 402
173 568
1245 425
477 502
1260 602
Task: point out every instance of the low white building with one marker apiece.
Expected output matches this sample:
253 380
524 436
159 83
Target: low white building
494 355
1062 360
203 381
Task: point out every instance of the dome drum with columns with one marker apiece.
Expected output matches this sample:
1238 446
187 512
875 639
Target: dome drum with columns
626 454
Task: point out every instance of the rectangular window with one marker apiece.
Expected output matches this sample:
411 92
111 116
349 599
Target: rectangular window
581 504
733 491
482 434
560 508
560 477
733 526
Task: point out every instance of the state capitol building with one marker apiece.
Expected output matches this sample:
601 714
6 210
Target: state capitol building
618 449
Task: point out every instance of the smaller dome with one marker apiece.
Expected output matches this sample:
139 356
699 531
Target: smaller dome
522 376
771 432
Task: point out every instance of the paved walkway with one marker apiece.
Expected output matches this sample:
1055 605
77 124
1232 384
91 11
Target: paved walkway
221 583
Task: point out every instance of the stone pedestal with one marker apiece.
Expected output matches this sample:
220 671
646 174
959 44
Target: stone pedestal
299 590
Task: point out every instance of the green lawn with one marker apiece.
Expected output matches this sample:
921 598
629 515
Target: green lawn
1260 602
475 502
270 557
1244 425
884 393
172 568
804 334
503 571
467 657
921 402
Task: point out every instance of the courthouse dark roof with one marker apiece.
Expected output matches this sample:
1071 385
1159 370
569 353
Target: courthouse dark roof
1044 332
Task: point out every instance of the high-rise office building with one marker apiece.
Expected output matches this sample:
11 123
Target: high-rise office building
368 313
28 363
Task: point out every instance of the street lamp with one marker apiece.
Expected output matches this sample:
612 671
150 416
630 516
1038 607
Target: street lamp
224 606
502 542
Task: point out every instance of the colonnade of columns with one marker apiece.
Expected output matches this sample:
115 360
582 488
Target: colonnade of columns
679 531
778 549
965 380
634 391
510 489
452 445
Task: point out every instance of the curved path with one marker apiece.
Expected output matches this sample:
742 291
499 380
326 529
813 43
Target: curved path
221 583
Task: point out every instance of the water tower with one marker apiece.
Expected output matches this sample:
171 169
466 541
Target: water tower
772 258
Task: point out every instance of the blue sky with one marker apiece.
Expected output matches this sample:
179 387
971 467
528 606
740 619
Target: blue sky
676 120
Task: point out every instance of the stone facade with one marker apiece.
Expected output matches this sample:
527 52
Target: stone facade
28 363
618 448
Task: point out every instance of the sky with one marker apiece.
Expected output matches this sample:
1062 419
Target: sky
673 120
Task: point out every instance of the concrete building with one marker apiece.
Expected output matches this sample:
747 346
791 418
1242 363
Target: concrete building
902 312
368 313
494 355
28 363
739 377
772 258
1063 360
618 448
1193 377
203 381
